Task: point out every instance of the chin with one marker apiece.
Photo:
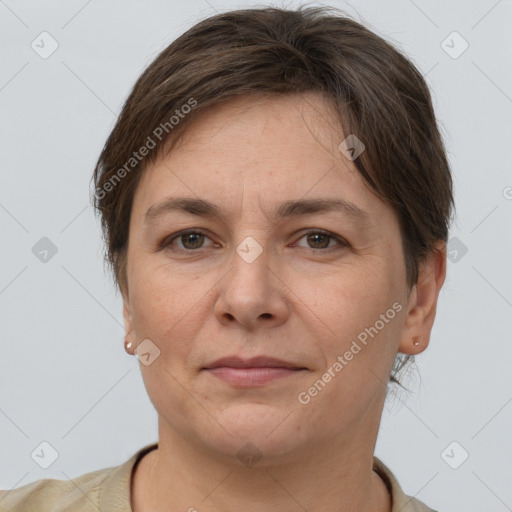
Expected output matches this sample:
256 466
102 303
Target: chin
254 431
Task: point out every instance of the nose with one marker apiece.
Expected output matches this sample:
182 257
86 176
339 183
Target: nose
252 294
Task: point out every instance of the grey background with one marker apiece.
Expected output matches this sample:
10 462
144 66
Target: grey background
64 376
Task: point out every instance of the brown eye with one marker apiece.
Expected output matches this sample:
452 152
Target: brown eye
190 241
194 239
322 240
319 240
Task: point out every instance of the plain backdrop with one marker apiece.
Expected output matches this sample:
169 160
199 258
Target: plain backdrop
65 378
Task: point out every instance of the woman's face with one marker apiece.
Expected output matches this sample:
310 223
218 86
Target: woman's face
259 280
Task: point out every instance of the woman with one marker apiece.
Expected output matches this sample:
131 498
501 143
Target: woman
275 199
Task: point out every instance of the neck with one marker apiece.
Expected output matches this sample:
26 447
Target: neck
330 477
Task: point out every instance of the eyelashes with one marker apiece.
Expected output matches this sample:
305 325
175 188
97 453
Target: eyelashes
196 237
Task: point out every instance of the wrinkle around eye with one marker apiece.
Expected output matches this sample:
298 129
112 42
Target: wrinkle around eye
339 242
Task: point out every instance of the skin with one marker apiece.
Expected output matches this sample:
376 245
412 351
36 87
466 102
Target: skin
298 301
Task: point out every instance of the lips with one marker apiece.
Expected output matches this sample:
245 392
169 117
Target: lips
254 362
254 372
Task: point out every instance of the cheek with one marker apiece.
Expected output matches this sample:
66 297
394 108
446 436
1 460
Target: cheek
357 360
361 322
162 297
156 315
170 311
341 305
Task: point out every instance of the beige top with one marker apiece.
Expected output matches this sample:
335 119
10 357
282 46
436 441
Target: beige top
108 490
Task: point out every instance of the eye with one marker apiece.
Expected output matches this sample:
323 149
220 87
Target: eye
191 240
321 240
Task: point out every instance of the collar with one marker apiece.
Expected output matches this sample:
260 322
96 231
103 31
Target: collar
116 488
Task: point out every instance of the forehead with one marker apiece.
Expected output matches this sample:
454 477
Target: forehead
283 120
258 150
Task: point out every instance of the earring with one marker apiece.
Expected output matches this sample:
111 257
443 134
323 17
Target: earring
127 345
416 343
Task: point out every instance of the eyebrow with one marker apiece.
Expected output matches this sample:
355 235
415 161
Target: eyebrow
293 208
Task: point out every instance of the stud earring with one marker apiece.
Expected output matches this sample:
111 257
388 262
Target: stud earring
416 343
127 345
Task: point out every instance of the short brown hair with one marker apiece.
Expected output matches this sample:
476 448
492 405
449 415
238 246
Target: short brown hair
377 93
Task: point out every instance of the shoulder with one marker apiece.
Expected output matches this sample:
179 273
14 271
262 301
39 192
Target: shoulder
81 493
414 505
103 489
401 502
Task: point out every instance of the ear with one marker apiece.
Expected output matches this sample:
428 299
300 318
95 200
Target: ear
422 302
127 316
